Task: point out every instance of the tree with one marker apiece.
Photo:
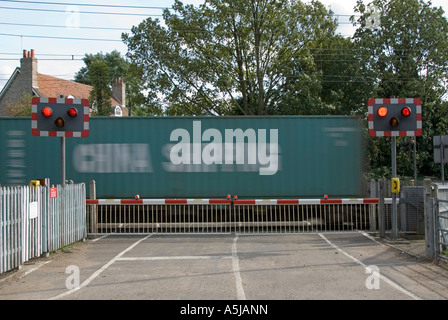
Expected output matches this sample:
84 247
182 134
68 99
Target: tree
118 67
101 93
408 55
19 108
249 57
346 80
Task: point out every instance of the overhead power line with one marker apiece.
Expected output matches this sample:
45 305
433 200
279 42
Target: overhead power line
44 54
102 6
60 38
53 59
87 5
111 6
60 26
85 12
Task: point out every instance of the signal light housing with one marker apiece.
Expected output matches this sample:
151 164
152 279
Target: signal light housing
395 117
58 117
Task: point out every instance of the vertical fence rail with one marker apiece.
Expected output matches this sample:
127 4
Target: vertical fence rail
13 231
31 222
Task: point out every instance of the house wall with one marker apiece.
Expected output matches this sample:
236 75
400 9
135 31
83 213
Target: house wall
23 82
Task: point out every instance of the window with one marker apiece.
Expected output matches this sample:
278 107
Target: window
118 112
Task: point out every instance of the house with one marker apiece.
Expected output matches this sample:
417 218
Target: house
26 79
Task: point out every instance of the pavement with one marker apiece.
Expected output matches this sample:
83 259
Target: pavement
333 266
412 245
415 248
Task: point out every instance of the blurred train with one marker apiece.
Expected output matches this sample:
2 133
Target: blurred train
195 157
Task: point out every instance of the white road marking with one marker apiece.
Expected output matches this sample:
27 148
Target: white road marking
236 271
235 267
382 277
173 258
34 269
96 239
98 272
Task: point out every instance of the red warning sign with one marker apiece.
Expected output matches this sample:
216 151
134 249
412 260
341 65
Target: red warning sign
53 193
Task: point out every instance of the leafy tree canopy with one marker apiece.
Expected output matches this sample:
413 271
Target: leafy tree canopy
254 57
407 51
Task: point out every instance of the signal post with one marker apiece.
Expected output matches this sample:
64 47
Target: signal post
53 117
395 118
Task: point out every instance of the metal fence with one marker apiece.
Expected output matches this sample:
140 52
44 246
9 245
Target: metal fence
38 219
125 216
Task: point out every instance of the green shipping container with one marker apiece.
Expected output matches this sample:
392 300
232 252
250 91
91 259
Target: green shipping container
195 157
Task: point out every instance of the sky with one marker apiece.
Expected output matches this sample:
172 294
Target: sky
61 32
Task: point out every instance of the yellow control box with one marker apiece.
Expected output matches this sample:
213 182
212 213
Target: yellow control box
395 185
34 183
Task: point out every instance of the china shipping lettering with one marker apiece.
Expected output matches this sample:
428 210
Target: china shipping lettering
202 157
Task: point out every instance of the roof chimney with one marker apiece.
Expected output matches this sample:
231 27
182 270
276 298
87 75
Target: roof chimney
28 69
119 91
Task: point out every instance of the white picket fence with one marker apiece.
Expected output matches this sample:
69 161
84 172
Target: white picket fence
36 219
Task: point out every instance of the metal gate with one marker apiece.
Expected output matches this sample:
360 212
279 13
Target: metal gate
441 232
411 211
143 216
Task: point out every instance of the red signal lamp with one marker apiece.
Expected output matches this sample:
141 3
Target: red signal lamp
72 112
406 112
47 112
382 112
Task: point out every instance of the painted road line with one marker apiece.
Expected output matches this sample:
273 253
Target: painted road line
99 271
34 269
382 277
236 271
173 258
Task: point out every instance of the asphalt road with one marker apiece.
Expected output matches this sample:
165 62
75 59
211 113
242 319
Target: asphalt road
341 266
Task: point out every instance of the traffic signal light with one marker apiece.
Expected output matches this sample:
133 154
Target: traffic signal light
395 117
47 112
60 117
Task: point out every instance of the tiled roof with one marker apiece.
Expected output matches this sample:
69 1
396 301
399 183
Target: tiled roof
55 87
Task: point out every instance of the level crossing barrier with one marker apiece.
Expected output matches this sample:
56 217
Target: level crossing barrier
131 216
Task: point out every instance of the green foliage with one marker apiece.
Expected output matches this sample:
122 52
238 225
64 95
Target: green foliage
242 57
408 54
101 93
113 66
284 57
19 108
118 67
